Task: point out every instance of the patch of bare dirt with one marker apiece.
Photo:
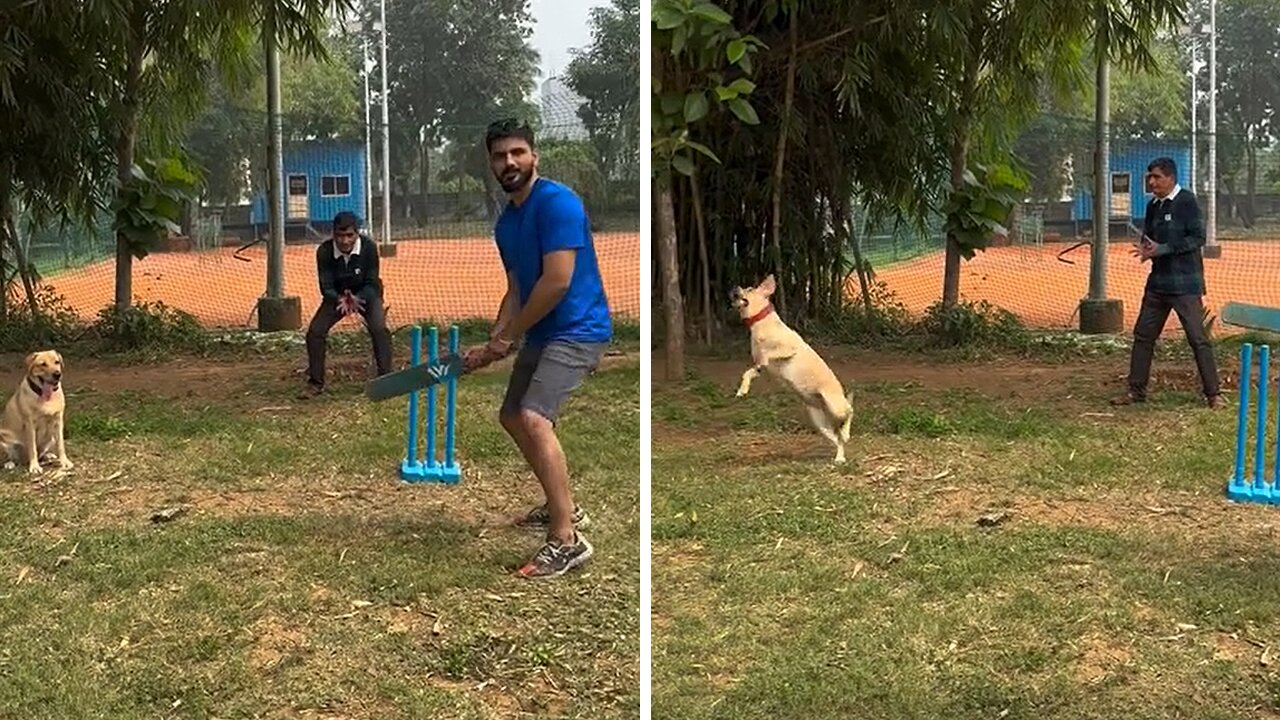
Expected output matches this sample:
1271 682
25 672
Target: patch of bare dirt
1214 519
1101 658
274 640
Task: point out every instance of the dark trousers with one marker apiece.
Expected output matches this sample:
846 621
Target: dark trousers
327 316
1151 319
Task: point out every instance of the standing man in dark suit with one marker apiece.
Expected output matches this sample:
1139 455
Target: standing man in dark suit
1173 235
347 268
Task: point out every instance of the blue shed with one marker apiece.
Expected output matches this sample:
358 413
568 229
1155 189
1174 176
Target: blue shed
321 179
1129 160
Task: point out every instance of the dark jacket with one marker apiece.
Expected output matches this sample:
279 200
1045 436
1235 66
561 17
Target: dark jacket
1177 228
357 273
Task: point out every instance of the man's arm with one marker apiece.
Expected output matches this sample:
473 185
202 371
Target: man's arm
324 271
508 308
557 271
1194 237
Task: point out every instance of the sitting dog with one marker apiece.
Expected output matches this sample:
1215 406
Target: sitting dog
32 424
781 351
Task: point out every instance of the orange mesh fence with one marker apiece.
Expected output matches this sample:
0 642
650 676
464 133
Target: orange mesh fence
440 280
445 266
1039 271
1044 292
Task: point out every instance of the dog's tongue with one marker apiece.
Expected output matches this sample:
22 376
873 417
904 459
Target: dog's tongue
46 391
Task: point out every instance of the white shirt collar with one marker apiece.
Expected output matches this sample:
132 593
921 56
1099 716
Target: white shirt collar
337 254
1177 188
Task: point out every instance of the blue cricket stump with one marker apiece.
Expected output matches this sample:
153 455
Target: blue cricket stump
431 468
1258 490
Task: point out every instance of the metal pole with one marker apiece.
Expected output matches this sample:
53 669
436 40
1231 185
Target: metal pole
275 164
368 140
386 135
1101 182
1194 70
1211 226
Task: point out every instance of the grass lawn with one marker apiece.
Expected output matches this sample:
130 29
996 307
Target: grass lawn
1110 578
301 579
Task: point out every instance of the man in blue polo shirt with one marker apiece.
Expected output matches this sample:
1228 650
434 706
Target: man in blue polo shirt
555 299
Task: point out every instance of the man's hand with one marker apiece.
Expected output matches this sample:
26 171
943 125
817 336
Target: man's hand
482 355
1146 249
349 303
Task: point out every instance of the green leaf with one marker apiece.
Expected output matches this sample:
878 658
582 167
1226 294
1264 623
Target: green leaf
744 111
743 86
682 164
671 104
712 12
735 50
702 149
724 94
667 17
695 107
678 38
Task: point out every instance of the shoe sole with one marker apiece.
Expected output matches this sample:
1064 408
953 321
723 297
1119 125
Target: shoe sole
574 563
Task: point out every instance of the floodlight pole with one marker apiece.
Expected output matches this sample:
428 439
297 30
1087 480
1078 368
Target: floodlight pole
368 138
1212 249
388 248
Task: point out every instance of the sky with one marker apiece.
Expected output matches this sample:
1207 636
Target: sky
560 25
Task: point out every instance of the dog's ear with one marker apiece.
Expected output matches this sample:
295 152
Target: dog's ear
768 285
59 356
31 360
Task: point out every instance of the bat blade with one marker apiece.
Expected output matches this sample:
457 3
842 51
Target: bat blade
414 378
1254 317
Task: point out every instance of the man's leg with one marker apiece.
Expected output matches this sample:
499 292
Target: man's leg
560 370
317 338
375 317
1191 314
526 364
1146 329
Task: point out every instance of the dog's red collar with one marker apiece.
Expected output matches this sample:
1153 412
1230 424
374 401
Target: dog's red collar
758 316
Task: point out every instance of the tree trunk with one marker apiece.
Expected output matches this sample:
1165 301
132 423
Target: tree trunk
951 270
696 191
126 141
9 238
778 166
860 264
672 302
424 179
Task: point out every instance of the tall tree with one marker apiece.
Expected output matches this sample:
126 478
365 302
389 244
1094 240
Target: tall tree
320 98
161 58
695 51
1248 91
607 75
452 68
53 156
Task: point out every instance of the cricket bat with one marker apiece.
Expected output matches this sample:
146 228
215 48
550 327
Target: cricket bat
414 378
1254 317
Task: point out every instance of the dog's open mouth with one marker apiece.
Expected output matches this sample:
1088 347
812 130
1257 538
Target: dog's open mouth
48 388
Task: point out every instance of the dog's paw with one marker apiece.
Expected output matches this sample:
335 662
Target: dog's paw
65 463
742 392
35 469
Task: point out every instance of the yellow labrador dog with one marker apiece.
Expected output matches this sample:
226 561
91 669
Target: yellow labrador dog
785 355
32 424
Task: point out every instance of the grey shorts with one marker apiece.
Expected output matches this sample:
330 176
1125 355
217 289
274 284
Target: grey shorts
544 376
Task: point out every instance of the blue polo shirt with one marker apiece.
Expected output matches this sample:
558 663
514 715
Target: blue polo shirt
553 218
